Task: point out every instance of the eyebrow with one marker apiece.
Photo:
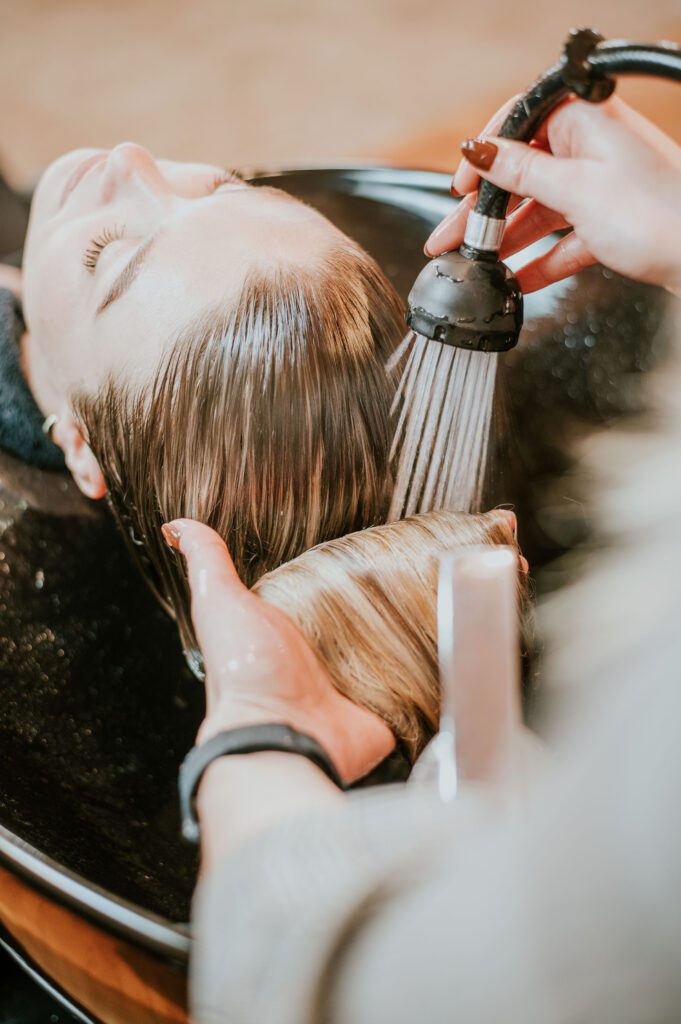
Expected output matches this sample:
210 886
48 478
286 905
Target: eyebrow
128 274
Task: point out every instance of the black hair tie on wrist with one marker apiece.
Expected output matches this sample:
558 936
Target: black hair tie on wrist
251 739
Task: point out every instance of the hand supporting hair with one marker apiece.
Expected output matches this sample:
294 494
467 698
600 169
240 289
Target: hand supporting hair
339 644
259 669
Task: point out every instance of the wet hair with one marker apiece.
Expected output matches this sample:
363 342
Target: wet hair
269 421
366 603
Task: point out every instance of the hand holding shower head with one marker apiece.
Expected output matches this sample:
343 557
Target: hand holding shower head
467 303
469 298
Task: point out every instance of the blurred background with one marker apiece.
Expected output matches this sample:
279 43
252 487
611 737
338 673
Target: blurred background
288 82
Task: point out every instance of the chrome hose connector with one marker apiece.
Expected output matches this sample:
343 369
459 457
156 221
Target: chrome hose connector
484 233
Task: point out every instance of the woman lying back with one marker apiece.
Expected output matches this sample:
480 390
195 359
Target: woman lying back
209 349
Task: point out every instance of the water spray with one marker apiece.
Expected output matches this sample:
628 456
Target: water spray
470 301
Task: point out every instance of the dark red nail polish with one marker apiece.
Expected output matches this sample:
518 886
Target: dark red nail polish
452 188
171 536
480 153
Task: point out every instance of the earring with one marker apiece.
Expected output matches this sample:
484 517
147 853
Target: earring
49 424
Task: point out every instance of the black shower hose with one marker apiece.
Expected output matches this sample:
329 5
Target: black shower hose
605 60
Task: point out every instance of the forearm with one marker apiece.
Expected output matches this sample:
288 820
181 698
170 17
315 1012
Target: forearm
243 796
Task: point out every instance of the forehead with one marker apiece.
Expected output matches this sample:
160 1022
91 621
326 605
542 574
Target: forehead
201 257
207 247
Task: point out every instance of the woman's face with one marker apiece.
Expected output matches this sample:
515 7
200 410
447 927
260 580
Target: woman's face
124 252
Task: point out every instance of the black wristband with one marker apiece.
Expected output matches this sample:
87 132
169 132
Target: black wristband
249 740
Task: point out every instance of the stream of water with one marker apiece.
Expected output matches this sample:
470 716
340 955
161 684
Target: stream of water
445 400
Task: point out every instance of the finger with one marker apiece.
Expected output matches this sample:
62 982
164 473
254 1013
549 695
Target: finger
540 141
449 233
466 178
210 568
529 171
528 224
567 257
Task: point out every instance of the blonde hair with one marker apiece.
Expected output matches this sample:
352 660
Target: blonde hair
366 603
269 421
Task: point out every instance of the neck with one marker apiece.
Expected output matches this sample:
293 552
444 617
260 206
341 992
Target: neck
36 375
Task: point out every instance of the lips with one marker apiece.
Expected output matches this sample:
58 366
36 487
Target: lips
79 173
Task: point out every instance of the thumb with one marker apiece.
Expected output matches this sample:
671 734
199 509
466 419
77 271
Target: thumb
210 569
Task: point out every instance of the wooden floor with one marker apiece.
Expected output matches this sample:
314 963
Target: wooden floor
269 82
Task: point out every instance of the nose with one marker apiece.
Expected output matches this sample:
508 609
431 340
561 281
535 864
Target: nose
129 163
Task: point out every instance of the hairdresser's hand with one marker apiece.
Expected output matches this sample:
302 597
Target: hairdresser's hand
259 667
602 169
10 277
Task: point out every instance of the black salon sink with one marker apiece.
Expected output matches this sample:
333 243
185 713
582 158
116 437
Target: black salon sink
98 707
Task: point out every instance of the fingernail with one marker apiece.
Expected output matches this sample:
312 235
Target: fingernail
480 153
171 535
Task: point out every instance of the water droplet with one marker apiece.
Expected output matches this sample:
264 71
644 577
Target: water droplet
39 579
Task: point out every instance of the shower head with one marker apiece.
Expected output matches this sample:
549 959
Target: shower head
469 298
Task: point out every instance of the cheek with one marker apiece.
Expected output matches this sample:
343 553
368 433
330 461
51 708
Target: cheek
50 290
52 303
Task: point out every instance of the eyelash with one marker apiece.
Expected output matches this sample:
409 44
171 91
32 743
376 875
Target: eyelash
98 245
225 178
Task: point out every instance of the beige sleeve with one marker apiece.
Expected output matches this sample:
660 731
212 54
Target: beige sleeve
269 921
391 910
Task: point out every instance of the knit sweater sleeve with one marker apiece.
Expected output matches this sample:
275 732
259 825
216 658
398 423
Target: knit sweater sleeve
21 420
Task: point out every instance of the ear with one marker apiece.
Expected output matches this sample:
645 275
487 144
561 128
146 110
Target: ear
79 458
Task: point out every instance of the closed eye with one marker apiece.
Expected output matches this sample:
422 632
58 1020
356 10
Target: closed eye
98 245
227 177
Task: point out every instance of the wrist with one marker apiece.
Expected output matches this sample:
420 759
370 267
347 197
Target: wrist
353 737
230 715
316 723
243 796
